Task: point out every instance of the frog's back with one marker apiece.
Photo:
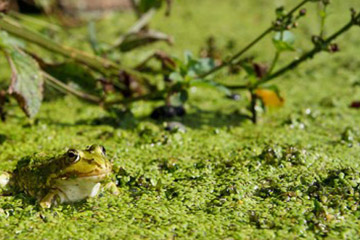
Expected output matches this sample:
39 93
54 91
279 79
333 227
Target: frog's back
30 176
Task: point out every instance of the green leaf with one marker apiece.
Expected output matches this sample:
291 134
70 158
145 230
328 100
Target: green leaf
210 84
200 66
26 81
7 41
249 68
179 99
176 77
284 41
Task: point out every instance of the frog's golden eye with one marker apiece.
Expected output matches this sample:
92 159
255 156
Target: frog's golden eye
73 156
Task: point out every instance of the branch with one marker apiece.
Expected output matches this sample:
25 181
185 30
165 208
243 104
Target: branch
250 45
139 24
309 54
65 88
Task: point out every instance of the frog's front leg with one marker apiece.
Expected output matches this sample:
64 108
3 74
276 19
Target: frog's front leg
5 188
111 186
52 197
4 179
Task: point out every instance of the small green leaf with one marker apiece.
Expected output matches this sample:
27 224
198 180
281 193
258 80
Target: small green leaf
188 57
26 82
178 99
176 77
249 68
211 84
7 41
284 41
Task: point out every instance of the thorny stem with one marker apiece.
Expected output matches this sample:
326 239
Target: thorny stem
63 87
250 45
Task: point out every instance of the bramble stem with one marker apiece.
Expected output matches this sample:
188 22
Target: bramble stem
250 45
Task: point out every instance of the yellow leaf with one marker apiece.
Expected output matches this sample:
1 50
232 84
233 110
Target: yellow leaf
269 97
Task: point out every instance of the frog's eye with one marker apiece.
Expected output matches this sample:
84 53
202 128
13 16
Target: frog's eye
73 156
103 150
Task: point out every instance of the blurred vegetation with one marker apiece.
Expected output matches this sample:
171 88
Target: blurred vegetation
293 175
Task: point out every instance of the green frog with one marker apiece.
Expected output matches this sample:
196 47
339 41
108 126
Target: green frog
71 177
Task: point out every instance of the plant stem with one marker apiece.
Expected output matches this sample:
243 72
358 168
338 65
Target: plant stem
237 55
35 21
308 55
250 45
297 62
322 20
63 87
139 24
253 107
97 63
274 62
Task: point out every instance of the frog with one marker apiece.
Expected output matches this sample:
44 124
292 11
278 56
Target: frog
66 178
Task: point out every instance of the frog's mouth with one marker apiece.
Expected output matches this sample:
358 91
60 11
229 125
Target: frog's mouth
95 173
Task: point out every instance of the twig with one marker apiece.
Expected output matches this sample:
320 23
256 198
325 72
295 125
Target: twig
250 45
65 88
143 38
35 21
140 23
274 62
310 54
253 107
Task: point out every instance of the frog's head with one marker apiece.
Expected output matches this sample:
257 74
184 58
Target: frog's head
91 162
